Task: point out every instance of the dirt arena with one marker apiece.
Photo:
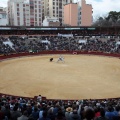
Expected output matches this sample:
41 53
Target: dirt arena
80 77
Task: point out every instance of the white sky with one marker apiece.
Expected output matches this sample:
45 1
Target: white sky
100 7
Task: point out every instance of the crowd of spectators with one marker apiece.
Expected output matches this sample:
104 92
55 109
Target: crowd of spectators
57 43
18 108
108 46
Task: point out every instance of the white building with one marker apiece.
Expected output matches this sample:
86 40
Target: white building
51 21
18 13
25 12
3 17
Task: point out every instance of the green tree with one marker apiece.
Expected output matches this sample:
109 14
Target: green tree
111 19
113 16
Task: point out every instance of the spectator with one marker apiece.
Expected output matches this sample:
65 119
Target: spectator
60 116
102 115
44 116
24 116
68 112
35 113
39 98
7 112
15 113
89 114
1 114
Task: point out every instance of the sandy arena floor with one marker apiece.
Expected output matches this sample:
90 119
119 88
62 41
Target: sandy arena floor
80 77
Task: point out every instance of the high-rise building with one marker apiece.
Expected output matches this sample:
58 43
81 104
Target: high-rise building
85 17
71 14
18 13
25 13
33 12
45 9
54 8
79 14
36 12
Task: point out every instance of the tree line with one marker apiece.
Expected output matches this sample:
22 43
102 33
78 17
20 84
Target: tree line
111 19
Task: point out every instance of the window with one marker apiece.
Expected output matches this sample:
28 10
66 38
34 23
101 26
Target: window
3 15
18 14
60 5
31 2
31 7
60 13
18 18
17 9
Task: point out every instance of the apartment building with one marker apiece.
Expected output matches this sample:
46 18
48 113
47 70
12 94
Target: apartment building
54 8
71 14
85 12
36 12
78 14
24 12
18 13
33 12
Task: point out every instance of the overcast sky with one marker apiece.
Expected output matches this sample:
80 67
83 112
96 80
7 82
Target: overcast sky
100 7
